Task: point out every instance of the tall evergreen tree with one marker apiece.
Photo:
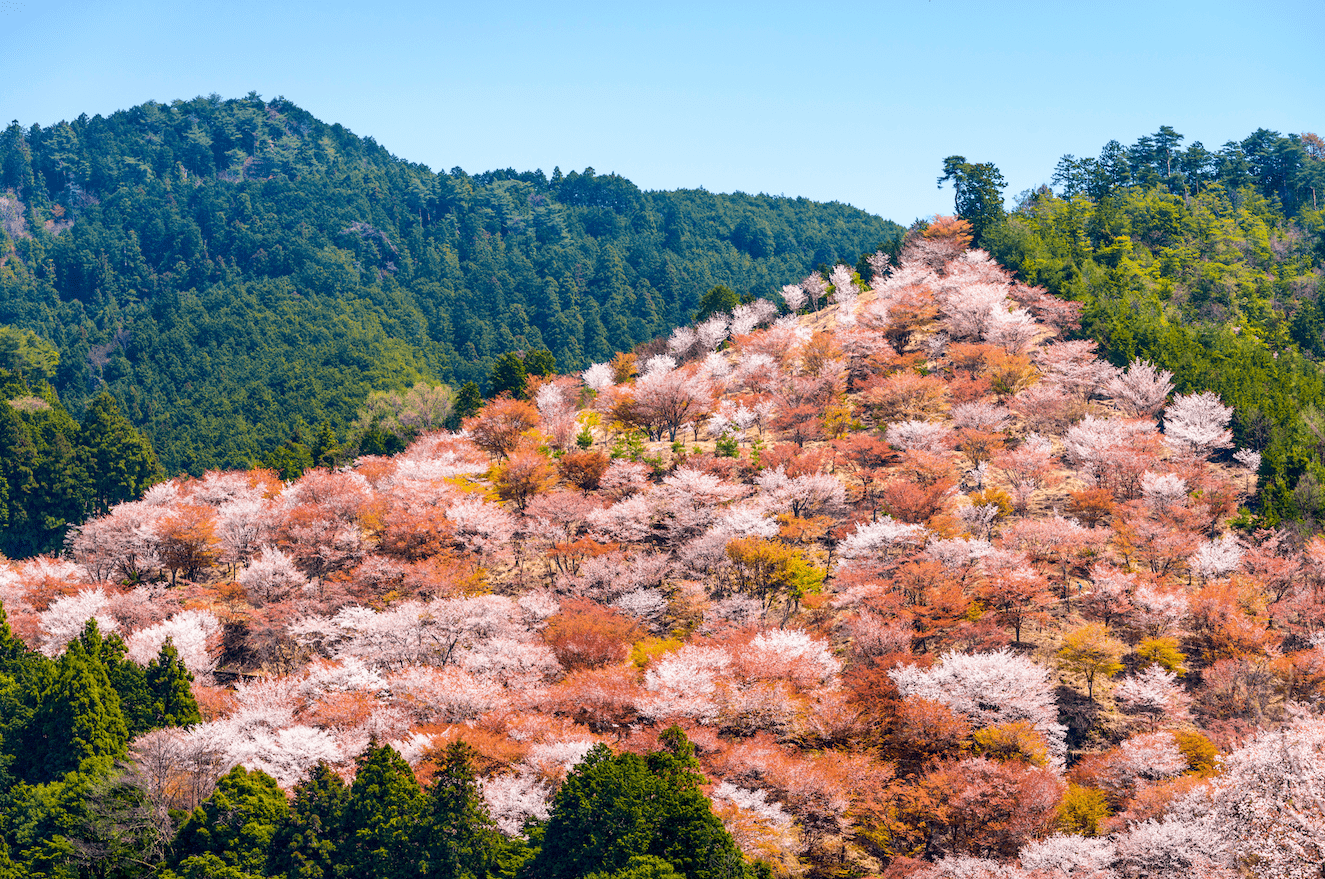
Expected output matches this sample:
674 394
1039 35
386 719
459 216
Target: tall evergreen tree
126 676
381 817
120 460
170 690
230 834
508 376
612 808
78 722
458 838
979 193
311 843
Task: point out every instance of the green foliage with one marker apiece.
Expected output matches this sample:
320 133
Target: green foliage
27 356
231 833
127 678
170 691
223 268
1207 264
24 676
468 401
613 808
54 472
726 446
508 376
641 867
390 420
307 846
120 460
381 818
292 458
457 836
78 721
541 363
629 444
720 300
978 193
107 827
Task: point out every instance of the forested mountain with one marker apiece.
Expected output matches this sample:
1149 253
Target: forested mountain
910 586
230 269
1206 263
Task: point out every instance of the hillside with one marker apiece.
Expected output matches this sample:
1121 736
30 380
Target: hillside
235 270
911 585
1208 263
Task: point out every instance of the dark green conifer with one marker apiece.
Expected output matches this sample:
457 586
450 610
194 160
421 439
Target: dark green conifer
170 689
309 846
79 719
458 839
612 808
127 677
381 818
120 461
468 401
508 376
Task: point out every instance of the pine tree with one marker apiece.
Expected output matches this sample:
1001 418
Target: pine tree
78 722
380 818
310 845
24 675
468 401
612 808
126 676
170 690
458 838
508 376
120 460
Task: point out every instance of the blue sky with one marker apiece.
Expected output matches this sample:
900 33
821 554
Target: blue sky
852 102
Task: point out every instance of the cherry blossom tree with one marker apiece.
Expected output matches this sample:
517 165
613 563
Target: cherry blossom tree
1112 453
928 435
121 544
988 689
1142 390
1268 804
1028 468
794 296
1074 367
1153 694
1217 558
270 577
665 399
497 428
1197 424
599 377
64 619
884 538
815 289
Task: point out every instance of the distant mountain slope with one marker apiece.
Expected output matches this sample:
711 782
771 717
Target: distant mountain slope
1208 264
231 268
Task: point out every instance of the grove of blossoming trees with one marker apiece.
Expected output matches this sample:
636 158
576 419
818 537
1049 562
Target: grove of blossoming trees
929 588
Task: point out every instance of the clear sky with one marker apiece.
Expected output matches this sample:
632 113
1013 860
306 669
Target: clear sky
855 102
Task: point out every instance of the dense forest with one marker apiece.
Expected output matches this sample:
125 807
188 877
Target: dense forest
1206 263
912 584
235 271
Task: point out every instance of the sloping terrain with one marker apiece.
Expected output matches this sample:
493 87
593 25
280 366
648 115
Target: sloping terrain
930 590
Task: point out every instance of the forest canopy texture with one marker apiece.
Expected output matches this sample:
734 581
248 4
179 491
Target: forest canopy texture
230 270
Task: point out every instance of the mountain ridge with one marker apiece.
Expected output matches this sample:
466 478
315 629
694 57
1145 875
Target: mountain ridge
301 266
